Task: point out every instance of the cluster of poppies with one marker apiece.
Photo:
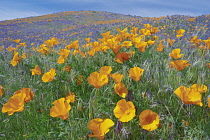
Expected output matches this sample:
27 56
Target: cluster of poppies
178 64
125 109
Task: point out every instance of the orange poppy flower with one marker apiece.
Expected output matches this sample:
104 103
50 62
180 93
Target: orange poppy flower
36 70
154 30
97 80
99 127
125 111
11 48
127 44
150 42
175 54
61 60
16 41
23 44
122 56
170 42
28 92
145 32
60 109
189 96
51 42
106 70
141 46
208 101
23 56
64 53
73 45
136 73
15 59
121 90
180 33
179 64
207 43
160 47
48 76
149 120
44 50
14 104
67 68
1 90
70 97
117 77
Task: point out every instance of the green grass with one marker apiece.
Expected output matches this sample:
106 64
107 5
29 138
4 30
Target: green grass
158 81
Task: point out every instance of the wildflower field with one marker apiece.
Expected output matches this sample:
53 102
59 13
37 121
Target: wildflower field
100 75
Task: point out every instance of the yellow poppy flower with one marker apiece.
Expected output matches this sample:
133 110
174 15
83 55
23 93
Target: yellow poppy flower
160 47
16 41
51 42
23 56
154 30
125 111
60 109
15 59
64 53
175 54
106 70
99 127
23 44
73 45
136 73
97 80
145 32
127 44
70 97
14 104
189 96
179 64
28 92
44 49
180 33
117 77
121 90
170 42
149 120
61 60
36 71
150 42
49 76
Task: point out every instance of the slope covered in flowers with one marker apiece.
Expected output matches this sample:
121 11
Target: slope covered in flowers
88 74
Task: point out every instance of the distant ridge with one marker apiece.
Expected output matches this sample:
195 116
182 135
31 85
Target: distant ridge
103 15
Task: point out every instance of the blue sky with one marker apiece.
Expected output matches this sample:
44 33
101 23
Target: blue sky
12 9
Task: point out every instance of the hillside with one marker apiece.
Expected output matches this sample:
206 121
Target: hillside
71 25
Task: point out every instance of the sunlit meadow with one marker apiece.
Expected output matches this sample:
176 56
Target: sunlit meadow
100 75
